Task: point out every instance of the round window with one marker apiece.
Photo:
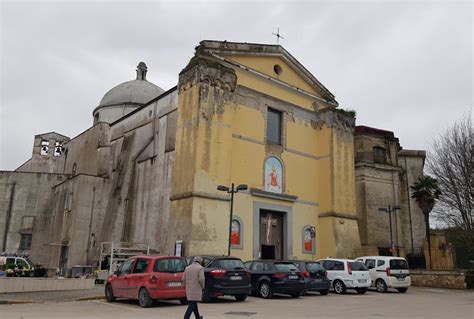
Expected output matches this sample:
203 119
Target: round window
277 68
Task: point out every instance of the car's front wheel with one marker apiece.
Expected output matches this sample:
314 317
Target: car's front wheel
144 298
265 290
339 287
109 293
402 290
361 291
381 286
241 297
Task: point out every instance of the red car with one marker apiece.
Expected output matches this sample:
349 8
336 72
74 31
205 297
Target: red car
147 278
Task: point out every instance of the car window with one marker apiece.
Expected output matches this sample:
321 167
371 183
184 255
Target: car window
247 264
300 266
328 264
370 263
126 266
397 264
170 265
357 266
232 264
380 263
20 263
10 261
257 266
267 266
338 265
206 261
285 267
140 266
314 267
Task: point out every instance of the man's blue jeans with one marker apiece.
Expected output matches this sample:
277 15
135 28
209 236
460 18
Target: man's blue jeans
192 307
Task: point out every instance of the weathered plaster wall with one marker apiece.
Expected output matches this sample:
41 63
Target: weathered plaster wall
73 219
379 185
140 169
83 153
23 194
413 223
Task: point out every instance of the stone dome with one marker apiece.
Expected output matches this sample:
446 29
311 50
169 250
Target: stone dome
127 95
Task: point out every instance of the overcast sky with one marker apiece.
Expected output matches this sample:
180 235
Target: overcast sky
403 66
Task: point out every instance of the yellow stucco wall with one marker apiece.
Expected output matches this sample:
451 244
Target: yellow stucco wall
265 65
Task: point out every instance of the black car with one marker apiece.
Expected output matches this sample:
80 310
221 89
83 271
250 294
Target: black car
270 276
315 276
224 275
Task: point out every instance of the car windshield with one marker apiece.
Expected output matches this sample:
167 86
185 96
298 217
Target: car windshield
357 266
285 267
397 264
314 267
228 264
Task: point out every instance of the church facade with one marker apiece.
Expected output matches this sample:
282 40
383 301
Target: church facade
148 169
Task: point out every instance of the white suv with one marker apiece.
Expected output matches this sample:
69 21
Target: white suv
347 274
388 272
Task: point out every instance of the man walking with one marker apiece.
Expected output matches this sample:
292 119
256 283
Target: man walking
194 279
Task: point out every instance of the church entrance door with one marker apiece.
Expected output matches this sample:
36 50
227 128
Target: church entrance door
271 234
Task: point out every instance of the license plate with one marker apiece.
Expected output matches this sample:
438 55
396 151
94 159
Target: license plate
401 278
174 284
362 280
235 277
292 277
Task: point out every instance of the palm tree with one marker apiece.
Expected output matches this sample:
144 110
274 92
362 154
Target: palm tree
426 192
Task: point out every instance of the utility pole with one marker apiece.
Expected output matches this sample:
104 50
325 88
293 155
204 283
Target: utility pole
231 191
389 209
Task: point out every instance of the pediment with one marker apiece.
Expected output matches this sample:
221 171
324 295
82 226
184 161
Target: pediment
272 61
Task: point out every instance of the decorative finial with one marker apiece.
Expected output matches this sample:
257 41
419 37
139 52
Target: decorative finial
141 71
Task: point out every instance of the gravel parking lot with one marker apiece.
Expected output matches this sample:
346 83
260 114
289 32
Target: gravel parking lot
416 303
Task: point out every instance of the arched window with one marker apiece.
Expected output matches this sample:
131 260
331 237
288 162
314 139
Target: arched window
309 240
236 235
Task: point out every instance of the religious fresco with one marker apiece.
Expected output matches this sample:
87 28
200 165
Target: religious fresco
273 175
308 240
235 233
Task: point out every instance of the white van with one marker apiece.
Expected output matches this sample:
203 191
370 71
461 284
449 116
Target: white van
20 262
347 274
388 272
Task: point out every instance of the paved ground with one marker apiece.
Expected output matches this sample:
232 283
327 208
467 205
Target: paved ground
416 303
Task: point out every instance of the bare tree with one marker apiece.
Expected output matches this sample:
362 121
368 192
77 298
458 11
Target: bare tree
451 162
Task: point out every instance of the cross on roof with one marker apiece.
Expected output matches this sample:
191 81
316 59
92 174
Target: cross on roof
278 35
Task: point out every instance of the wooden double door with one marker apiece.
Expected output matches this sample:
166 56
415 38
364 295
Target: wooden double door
271 235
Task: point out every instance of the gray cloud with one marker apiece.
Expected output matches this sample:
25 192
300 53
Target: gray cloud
402 66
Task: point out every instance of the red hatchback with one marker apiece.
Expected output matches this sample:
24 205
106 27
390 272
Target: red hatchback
147 278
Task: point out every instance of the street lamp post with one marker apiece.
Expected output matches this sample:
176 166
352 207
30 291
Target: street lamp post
389 209
231 191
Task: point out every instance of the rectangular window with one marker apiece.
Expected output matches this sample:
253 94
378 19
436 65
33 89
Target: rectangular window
25 242
274 126
380 155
